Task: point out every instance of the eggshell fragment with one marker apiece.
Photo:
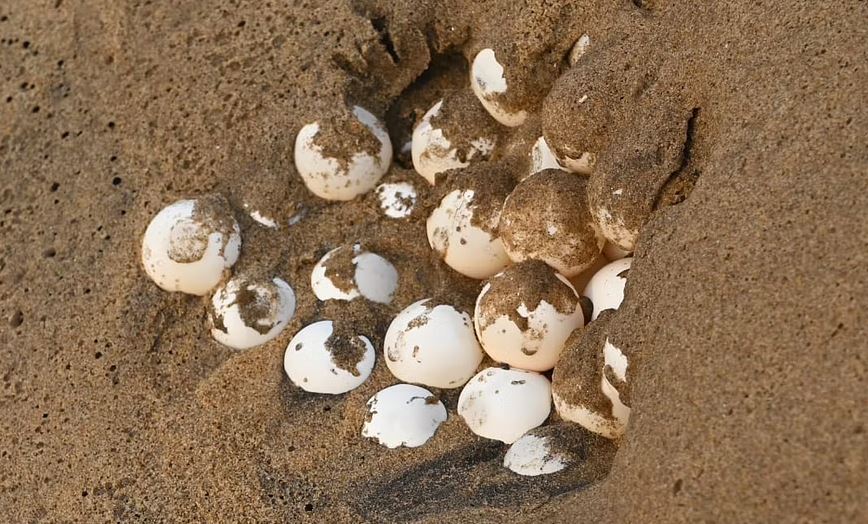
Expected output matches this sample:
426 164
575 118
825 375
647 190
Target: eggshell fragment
432 344
561 447
606 287
503 404
344 170
189 245
346 273
531 456
525 314
542 157
320 359
397 199
246 313
403 415
488 80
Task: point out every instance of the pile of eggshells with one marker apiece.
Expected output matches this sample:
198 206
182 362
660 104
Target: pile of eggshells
537 244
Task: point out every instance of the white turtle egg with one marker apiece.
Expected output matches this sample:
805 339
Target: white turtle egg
432 344
542 157
606 287
470 248
615 360
246 313
503 404
532 455
346 177
403 415
364 274
321 361
189 245
397 199
524 315
489 85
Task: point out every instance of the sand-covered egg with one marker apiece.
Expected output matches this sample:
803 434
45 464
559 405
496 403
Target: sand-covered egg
606 287
488 80
547 218
248 312
189 245
453 133
560 447
403 415
397 199
503 404
525 314
463 229
349 272
432 344
321 358
343 157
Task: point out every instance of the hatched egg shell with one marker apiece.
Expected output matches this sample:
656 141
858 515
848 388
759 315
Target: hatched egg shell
373 277
542 157
397 199
616 362
488 81
320 361
531 455
246 313
189 245
562 446
503 404
342 178
606 287
432 344
403 415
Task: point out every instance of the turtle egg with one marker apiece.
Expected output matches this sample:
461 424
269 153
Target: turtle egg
397 199
542 157
451 135
606 287
189 245
346 272
614 376
403 415
488 81
247 313
532 456
320 360
350 167
557 447
524 316
503 404
468 244
432 344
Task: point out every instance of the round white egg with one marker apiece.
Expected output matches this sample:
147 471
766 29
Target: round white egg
465 247
489 84
247 313
397 199
403 415
531 456
342 178
187 249
310 364
432 344
606 287
503 404
374 277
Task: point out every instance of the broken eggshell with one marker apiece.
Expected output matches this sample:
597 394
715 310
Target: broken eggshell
397 199
321 361
606 287
488 81
247 313
403 415
363 274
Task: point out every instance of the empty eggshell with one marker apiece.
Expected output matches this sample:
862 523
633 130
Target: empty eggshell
346 272
579 49
615 377
403 415
606 287
397 199
320 359
532 456
525 314
189 245
343 158
245 313
542 157
503 404
488 80
562 446
547 218
432 344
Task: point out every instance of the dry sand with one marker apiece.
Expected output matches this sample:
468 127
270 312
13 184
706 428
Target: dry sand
746 304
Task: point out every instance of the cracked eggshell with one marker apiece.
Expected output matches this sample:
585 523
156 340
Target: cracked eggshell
503 404
542 157
562 446
397 199
363 274
524 315
320 360
547 218
432 344
606 287
189 245
403 415
351 173
615 365
247 313
488 80
531 456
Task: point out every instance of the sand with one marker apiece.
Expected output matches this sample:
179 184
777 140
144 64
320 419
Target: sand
745 309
